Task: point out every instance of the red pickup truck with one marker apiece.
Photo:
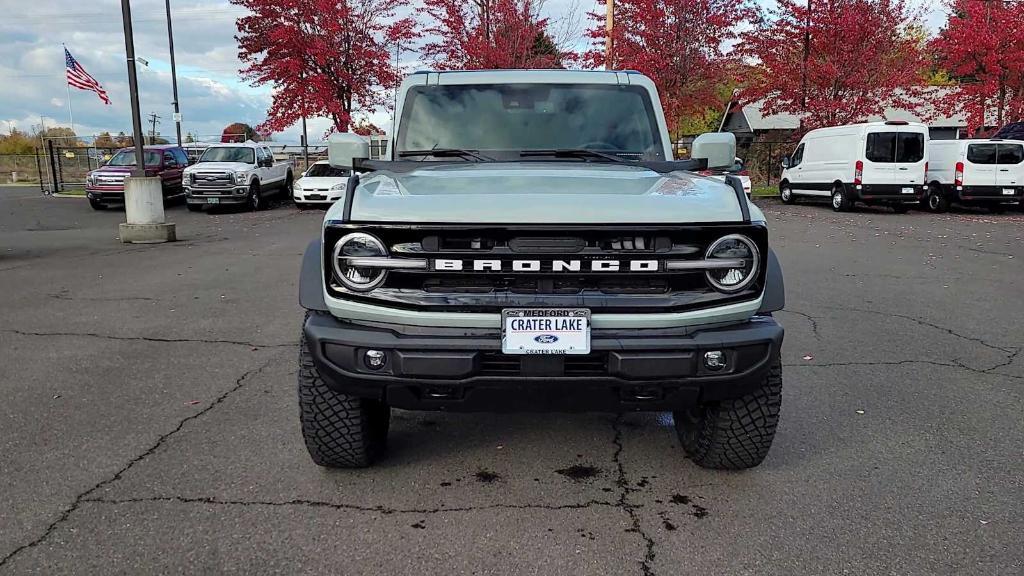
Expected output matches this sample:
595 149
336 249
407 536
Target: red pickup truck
105 185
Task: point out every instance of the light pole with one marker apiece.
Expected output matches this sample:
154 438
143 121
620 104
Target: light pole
174 73
609 25
133 88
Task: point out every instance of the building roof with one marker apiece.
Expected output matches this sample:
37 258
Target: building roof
754 120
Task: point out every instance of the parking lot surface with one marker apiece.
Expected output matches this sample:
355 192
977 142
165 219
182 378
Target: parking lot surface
149 420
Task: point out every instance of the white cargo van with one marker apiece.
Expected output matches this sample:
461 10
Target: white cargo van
986 173
873 163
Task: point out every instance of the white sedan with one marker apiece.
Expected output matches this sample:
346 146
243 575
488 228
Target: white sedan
320 184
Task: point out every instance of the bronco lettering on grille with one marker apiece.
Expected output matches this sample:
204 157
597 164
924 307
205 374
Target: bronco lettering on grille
455 265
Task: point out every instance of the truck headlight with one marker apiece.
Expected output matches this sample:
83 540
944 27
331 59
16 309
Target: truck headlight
90 179
733 247
240 177
186 178
346 254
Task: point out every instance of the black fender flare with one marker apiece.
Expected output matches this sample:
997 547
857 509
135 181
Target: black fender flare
774 286
311 283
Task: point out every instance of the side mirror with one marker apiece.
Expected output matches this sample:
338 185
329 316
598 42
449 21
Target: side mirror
719 148
344 148
786 162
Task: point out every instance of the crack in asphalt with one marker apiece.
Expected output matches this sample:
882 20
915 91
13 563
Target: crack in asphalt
84 496
811 319
625 490
385 510
953 364
62 296
923 322
152 339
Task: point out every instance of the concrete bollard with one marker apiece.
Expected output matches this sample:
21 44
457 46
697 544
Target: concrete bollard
144 212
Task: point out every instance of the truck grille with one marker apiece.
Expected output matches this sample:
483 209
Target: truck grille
212 180
560 270
583 365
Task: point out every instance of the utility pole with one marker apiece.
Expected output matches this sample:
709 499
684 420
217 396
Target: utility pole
609 25
154 119
174 73
133 87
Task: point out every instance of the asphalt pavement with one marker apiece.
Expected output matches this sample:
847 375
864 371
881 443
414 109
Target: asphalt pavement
149 422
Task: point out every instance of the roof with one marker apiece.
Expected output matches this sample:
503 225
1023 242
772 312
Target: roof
755 120
152 147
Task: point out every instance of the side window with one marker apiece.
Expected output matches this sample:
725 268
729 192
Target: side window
1010 154
797 157
981 154
881 147
180 156
260 157
170 160
269 156
910 147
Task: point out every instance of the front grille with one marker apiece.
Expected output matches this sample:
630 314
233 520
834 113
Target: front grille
497 364
212 180
558 267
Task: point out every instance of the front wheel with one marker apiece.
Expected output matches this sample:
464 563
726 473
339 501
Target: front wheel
786 194
340 431
255 197
733 434
840 202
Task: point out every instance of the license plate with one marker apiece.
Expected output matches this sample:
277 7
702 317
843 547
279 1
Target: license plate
1008 191
545 331
213 200
908 190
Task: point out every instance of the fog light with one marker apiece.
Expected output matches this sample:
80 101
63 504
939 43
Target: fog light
714 360
375 359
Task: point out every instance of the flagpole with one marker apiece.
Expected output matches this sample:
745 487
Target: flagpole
71 113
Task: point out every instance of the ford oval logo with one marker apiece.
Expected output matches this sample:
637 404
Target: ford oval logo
546 339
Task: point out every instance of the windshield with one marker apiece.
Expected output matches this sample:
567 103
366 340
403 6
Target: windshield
326 170
229 154
127 158
618 120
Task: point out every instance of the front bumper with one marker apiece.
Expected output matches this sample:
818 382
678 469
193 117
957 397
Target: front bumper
105 194
888 193
463 369
229 195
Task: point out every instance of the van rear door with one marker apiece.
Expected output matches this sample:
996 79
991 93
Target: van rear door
879 154
1009 166
910 161
980 167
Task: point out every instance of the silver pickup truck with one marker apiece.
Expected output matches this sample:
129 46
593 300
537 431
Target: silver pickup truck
529 243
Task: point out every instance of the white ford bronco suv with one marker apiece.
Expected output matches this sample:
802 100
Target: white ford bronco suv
530 244
239 174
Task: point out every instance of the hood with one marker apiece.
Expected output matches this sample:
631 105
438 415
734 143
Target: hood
320 181
220 166
541 193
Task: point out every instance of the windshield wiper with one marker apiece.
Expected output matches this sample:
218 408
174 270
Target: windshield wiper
447 153
573 153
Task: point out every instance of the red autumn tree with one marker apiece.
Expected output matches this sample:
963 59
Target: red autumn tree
840 62
364 127
680 44
981 49
481 34
321 57
238 132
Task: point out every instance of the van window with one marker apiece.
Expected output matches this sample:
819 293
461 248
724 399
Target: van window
881 147
1010 154
910 147
797 157
981 153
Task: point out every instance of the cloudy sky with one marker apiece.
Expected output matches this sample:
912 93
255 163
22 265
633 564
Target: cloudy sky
211 94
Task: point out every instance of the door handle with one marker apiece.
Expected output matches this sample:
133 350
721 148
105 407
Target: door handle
1004 169
904 169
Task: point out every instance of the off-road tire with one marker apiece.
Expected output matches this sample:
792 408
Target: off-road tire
840 201
340 431
97 205
733 434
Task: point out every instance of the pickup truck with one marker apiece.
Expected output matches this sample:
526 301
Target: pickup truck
243 174
105 185
530 244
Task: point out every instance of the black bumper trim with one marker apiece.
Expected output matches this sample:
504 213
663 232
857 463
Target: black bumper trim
463 369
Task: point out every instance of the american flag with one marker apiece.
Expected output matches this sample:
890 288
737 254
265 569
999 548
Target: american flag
79 78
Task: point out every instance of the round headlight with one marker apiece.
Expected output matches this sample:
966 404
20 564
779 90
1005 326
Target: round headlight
358 245
735 247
